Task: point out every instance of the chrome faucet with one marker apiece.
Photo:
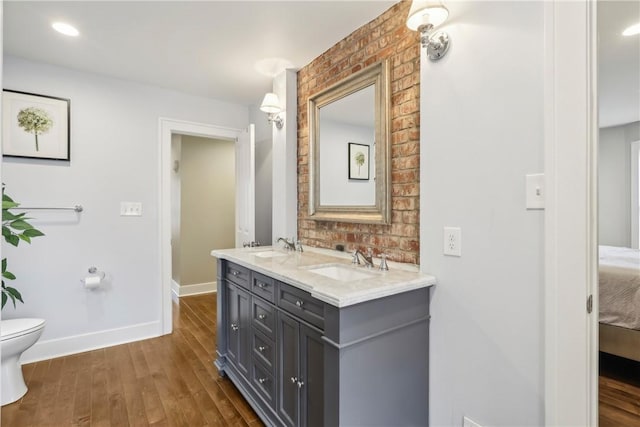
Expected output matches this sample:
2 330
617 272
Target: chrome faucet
290 246
368 258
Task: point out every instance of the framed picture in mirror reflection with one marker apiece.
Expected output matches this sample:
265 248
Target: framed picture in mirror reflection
358 161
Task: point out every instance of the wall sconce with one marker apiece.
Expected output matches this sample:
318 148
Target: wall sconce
424 16
271 106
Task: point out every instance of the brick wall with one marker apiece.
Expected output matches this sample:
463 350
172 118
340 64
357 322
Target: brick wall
386 37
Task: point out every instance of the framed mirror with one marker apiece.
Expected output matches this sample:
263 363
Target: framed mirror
349 137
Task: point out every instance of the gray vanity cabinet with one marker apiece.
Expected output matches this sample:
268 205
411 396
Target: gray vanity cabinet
238 327
300 361
301 373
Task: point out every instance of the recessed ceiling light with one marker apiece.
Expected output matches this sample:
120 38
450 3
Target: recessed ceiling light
632 30
65 29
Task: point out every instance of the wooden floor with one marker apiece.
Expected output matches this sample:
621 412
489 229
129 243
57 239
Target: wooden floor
619 392
171 381
166 381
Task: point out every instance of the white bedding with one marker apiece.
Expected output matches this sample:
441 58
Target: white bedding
619 276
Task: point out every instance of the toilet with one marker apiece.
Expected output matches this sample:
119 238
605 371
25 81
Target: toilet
17 336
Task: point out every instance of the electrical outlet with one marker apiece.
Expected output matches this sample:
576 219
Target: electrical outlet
452 241
130 209
468 422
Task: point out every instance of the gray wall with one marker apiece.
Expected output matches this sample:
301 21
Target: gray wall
207 199
614 183
115 155
481 132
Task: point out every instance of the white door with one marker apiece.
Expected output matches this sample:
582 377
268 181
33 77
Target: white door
245 187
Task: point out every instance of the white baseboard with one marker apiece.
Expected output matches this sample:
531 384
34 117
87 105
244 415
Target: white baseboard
195 289
49 349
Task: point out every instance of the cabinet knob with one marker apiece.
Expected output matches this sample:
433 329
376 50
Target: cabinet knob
299 303
294 380
262 316
235 273
300 384
262 380
260 285
261 348
234 326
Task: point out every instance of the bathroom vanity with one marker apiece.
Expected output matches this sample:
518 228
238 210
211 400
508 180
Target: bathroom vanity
311 340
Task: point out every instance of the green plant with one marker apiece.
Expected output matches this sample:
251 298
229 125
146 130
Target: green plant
15 228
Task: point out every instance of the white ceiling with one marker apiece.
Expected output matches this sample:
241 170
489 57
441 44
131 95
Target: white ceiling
618 63
208 48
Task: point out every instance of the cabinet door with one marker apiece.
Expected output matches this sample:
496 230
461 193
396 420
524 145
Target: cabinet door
288 357
239 328
312 377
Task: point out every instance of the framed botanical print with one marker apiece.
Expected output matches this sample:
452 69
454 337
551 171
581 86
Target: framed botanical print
358 161
35 126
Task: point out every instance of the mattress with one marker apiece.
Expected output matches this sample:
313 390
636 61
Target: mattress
619 279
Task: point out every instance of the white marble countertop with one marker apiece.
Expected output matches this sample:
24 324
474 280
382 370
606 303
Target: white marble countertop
294 268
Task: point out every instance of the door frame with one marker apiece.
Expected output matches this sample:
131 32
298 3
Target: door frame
635 197
571 251
167 127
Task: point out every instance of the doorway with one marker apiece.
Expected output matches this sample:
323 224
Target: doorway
203 213
619 259
167 128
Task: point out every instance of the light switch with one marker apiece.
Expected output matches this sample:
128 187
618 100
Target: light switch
130 209
535 191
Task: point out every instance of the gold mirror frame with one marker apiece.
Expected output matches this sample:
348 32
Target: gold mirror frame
378 76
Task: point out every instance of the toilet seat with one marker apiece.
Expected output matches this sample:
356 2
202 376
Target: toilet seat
13 328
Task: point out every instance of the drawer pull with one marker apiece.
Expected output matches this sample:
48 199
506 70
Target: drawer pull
261 285
262 316
299 303
235 273
234 326
261 348
262 380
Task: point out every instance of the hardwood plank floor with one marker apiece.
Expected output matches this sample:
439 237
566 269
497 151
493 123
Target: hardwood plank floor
165 381
619 385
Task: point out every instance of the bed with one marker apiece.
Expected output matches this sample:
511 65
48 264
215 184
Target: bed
619 289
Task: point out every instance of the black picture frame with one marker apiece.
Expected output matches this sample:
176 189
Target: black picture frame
35 126
358 159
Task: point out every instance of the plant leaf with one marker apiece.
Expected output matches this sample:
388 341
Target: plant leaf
32 232
9 204
25 238
13 292
12 239
8 275
4 265
20 224
4 299
7 216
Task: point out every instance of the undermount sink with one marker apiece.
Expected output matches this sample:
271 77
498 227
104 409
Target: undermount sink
340 272
269 254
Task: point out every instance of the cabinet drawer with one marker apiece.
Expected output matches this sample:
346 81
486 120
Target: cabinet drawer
264 384
263 286
263 349
263 317
301 304
237 274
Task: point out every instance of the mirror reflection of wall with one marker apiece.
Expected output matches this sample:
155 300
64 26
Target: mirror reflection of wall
348 120
619 117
